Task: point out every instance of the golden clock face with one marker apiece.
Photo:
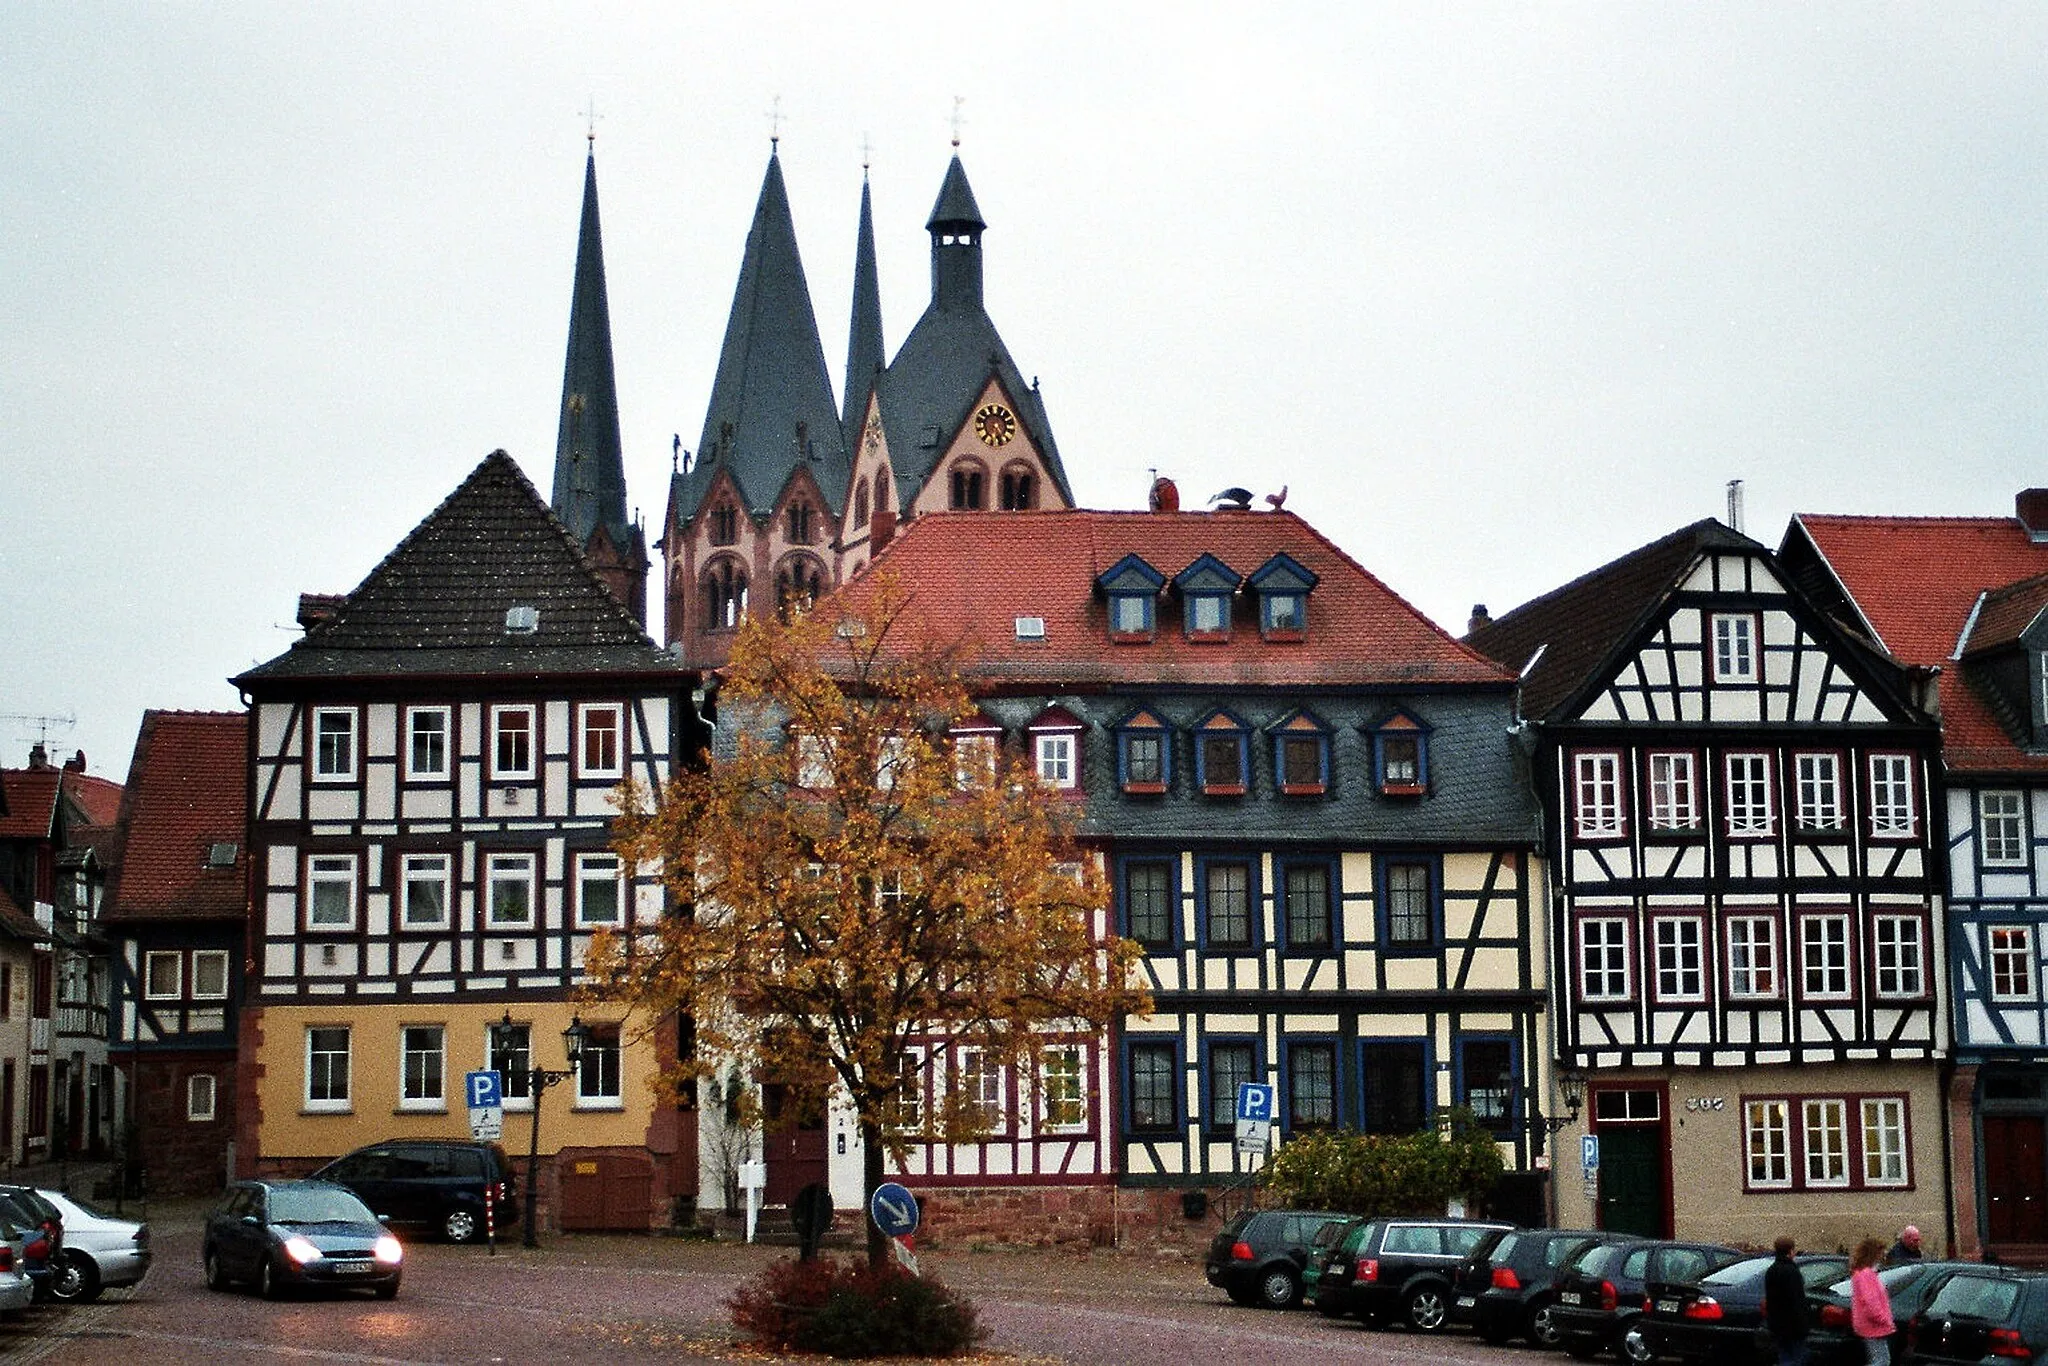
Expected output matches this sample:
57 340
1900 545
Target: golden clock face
995 425
874 433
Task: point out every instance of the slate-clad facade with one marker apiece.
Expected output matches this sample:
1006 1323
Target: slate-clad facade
432 774
1746 911
1964 600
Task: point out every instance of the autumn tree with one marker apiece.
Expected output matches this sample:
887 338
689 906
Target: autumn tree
856 882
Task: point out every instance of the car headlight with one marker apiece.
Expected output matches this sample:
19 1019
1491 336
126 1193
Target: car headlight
301 1251
388 1250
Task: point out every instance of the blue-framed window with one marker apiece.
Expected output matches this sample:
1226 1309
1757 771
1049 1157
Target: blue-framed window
1409 891
1152 1086
1131 589
1301 756
1223 756
1206 588
1488 1080
1283 585
1148 901
1227 900
1400 755
1311 1072
1308 904
1395 1078
1228 1061
1144 754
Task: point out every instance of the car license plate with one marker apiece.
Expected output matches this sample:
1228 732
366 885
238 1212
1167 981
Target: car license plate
1466 1301
352 1268
1569 1297
1667 1306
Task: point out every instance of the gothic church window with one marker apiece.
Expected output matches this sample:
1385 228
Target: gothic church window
798 584
724 596
968 492
860 504
799 521
1019 490
725 524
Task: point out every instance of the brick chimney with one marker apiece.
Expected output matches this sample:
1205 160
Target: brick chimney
1479 618
38 757
76 763
2031 507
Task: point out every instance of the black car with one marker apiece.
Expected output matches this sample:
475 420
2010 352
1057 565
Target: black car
430 1184
1720 1316
1400 1270
1600 1292
23 1207
1507 1287
1257 1257
276 1235
1983 1314
1909 1285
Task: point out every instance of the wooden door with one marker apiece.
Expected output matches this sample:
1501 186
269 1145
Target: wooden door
1632 1182
793 1144
2016 1178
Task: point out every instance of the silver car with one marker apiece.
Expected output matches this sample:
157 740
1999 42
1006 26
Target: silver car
16 1289
101 1251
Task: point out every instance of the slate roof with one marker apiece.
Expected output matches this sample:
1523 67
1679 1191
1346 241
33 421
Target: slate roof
186 791
590 470
971 574
771 376
955 205
1915 582
865 355
436 605
1580 626
16 923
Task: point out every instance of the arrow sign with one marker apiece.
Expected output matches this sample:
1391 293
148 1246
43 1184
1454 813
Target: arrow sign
894 1210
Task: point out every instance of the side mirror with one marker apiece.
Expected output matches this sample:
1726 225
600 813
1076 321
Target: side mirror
251 1220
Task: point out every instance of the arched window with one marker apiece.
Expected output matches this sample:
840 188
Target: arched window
860 503
798 584
1019 490
799 521
724 595
881 489
725 524
968 481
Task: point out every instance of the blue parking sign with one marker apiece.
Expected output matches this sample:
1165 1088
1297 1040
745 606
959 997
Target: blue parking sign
486 1090
1255 1101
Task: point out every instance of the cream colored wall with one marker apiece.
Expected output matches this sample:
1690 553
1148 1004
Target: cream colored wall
14 1039
289 1131
937 493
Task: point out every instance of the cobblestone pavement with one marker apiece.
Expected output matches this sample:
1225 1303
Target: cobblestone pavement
631 1300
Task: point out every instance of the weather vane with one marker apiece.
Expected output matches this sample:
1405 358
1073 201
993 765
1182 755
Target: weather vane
958 118
775 123
590 122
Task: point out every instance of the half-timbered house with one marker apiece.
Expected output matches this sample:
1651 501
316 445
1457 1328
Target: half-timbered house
433 772
1745 909
1966 600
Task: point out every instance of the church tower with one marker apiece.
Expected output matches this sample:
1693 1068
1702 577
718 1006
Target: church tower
590 471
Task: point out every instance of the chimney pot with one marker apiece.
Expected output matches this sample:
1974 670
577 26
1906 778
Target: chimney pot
1479 618
2031 507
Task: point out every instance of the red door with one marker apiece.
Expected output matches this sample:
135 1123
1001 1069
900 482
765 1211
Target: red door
793 1146
2016 1178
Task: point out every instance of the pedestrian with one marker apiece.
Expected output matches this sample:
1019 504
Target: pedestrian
1785 1306
1907 1249
1870 1306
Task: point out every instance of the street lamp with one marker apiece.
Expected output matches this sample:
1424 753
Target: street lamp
504 1038
1542 1127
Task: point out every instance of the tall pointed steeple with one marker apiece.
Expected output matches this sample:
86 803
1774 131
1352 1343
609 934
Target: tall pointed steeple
864 354
590 470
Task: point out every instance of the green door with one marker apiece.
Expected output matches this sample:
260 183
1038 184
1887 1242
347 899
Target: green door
1632 1182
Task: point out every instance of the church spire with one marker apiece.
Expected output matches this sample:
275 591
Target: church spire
864 353
956 227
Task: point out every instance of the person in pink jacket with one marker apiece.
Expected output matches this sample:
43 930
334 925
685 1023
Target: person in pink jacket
1870 1307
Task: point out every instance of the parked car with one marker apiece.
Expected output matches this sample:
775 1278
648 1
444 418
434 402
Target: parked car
430 1184
1719 1316
1600 1292
1326 1240
101 1250
1400 1269
1258 1257
45 1247
1983 1313
282 1234
1507 1287
17 1291
1832 1342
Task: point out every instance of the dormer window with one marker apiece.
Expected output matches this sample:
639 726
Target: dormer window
1283 584
1056 748
1301 756
1222 756
1144 754
1206 588
1400 756
1131 587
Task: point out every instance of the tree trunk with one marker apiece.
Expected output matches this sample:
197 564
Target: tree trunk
870 1181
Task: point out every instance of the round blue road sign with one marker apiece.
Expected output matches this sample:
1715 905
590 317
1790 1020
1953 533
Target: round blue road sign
894 1210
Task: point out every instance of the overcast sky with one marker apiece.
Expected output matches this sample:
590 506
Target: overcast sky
1497 293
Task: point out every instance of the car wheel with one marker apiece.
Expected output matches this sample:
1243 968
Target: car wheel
216 1279
1634 1347
1426 1308
266 1282
1544 1330
462 1226
75 1279
1279 1288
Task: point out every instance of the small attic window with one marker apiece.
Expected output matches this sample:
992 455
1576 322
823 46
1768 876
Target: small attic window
1283 584
1031 628
221 854
522 620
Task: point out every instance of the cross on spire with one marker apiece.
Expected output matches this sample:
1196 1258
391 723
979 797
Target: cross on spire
866 153
775 124
590 122
958 118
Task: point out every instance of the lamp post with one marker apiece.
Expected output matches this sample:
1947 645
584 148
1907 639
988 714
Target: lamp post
504 1036
1542 1128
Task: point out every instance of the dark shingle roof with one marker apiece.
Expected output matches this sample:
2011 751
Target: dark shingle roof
186 792
865 355
437 603
955 204
590 471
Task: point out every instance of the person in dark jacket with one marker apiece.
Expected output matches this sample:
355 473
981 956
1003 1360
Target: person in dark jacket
1907 1249
1785 1306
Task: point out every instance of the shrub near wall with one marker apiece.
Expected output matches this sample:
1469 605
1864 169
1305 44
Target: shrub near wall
1418 1173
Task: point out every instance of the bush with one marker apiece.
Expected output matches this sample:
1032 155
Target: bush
1415 1173
850 1310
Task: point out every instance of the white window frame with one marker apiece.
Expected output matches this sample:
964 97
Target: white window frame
421 869
974 760
345 1101
201 957
1892 814
903 1113
600 1092
1819 779
516 1081
200 1101
1604 959
329 767
1899 945
1684 979
2009 960
414 733
1734 645
980 1079
1767 1144
1748 784
509 869
1824 1142
420 1097
1824 956
330 870
601 867
1063 1088
2004 846
150 961
1056 755
1598 811
502 766
1887 1159
1753 954
1674 791
892 758
813 763
592 711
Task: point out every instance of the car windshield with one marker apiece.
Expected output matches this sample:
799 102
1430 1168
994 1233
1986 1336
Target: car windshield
1737 1272
317 1205
1891 1277
1975 1297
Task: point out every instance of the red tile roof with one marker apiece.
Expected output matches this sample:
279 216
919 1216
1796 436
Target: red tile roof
974 573
18 923
31 802
1916 581
186 792
99 798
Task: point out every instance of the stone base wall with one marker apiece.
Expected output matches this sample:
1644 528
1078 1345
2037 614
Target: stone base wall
1072 1216
181 1155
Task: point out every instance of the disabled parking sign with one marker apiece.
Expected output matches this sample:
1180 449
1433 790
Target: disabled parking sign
486 1094
1255 1101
